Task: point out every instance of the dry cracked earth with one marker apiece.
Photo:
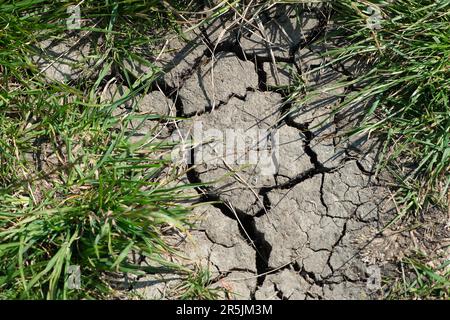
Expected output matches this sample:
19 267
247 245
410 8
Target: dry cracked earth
304 231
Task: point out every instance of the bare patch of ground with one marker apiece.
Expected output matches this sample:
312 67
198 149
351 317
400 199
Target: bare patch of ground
312 228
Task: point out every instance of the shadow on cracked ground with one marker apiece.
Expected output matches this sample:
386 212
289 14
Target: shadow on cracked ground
304 221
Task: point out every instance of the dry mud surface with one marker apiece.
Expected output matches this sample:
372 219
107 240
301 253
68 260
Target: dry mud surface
301 231
296 233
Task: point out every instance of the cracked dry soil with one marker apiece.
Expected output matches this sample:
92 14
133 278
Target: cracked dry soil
301 232
298 233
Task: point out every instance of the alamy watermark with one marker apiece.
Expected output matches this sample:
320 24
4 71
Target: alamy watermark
74 277
74 20
375 18
253 146
374 278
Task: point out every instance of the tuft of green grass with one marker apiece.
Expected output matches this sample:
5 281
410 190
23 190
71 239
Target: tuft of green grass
406 84
420 281
198 287
74 189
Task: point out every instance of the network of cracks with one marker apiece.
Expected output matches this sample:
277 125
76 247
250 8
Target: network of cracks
308 230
